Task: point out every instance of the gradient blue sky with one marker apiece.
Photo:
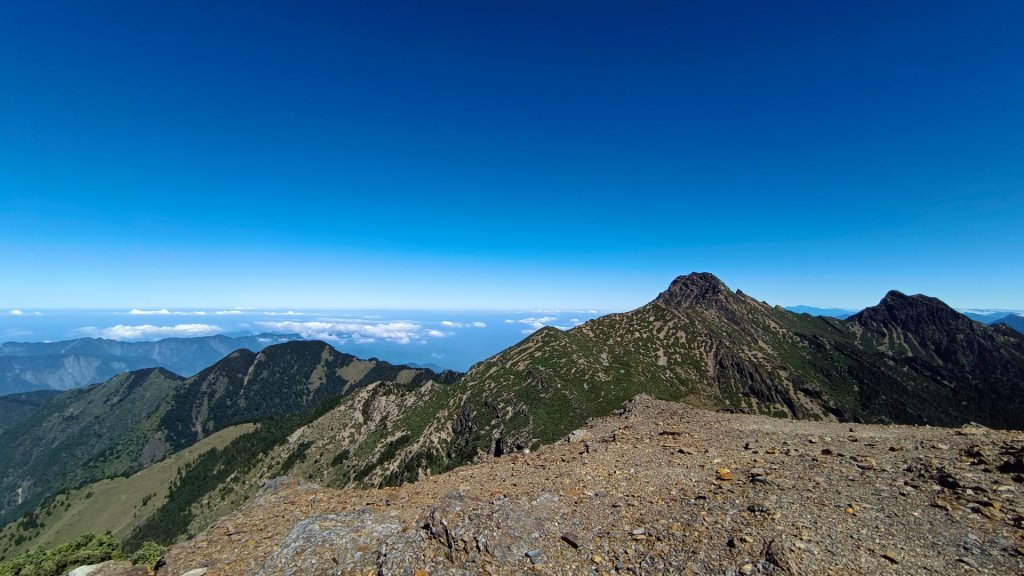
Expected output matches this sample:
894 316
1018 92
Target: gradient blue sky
508 155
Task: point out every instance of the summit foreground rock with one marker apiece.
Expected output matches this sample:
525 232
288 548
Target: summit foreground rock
643 493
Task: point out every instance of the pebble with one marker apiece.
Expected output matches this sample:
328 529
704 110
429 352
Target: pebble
724 474
968 562
891 557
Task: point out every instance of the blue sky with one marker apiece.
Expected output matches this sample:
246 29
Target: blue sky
479 155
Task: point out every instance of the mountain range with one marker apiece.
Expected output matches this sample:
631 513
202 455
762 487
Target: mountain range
1013 321
27 366
339 421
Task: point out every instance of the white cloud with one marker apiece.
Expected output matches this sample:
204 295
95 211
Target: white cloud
137 312
166 312
400 332
450 324
573 322
16 312
534 322
437 334
150 332
288 313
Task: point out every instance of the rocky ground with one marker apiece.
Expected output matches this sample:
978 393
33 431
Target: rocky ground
659 488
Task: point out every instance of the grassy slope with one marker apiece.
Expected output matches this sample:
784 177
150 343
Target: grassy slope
117 505
39 455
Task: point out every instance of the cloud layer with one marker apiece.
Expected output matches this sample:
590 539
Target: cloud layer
367 330
166 312
400 332
150 332
450 324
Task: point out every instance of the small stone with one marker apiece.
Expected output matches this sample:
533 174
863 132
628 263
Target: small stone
991 513
579 436
891 557
422 572
756 472
747 568
597 559
967 562
724 474
812 440
671 431
758 509
826 452
571 539
196 572
866 464
638 532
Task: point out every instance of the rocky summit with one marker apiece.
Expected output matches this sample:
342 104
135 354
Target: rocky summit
659 487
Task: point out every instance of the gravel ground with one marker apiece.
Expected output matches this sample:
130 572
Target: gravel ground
662 488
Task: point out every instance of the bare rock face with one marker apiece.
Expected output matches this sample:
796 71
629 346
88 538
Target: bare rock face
694 289
342 542
661 488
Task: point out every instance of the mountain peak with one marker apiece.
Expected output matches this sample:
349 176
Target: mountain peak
898 308
694 289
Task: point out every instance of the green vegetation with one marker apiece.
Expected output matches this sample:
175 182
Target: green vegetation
211 469
148 554
114 505
43 453
87 549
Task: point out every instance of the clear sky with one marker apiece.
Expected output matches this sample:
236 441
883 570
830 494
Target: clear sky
487 155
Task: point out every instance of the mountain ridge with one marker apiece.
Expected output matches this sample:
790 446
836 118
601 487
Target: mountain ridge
68 364
910 359
242 387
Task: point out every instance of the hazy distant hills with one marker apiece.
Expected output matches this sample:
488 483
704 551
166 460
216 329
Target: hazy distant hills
26 366
1013 321
840 313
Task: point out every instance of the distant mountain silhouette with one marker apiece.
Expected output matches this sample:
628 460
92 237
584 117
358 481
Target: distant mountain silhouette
26 366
